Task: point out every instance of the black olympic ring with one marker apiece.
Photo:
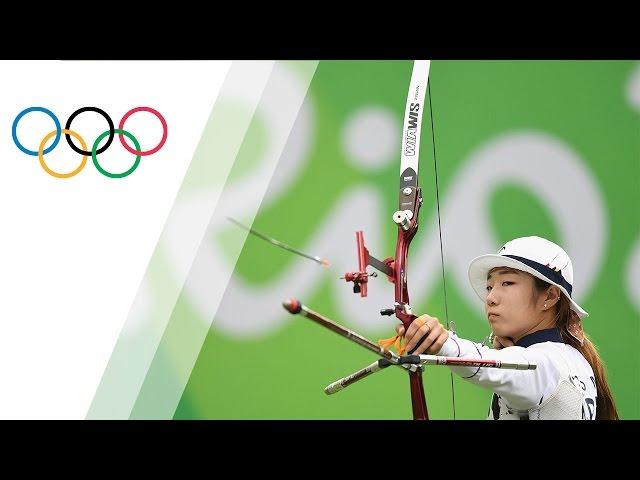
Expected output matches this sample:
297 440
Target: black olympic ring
90 109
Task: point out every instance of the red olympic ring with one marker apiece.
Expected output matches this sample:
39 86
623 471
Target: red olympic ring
164 130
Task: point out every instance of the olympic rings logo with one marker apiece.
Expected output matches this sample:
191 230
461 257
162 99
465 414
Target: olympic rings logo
95 151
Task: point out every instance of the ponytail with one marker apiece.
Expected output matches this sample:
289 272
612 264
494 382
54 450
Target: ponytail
605 404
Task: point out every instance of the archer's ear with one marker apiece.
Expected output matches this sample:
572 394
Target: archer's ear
553 294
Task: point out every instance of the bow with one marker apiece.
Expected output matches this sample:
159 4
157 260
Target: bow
395 268
407 220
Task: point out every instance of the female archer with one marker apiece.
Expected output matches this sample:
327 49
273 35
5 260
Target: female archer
526 289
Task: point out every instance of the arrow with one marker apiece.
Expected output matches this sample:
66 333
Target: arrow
277 243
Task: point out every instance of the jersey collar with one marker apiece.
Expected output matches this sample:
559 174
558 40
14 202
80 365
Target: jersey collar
547 335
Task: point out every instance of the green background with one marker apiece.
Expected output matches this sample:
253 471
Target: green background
280 375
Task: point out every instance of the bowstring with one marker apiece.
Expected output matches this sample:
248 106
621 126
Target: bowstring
444 283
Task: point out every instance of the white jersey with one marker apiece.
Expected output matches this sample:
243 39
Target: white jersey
562 387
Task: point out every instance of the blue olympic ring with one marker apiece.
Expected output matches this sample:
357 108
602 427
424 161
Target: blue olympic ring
14 128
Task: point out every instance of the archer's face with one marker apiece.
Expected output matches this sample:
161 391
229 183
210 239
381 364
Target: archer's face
509 305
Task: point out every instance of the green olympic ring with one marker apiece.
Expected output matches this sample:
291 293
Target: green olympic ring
94 155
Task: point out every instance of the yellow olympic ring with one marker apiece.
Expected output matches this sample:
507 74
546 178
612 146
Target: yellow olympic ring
46 167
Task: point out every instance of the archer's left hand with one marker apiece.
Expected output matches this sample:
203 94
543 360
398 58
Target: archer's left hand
426 332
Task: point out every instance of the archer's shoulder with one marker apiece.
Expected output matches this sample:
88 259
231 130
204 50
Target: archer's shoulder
562 356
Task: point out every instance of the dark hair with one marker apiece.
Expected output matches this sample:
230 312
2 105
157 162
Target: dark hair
605 404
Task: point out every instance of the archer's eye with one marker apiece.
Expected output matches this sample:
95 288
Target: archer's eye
508 283
488 288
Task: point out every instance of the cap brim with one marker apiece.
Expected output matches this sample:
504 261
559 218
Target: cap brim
480 266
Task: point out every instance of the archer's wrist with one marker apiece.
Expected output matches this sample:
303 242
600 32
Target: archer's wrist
451 347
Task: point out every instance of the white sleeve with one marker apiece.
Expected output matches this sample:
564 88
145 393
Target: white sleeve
522 389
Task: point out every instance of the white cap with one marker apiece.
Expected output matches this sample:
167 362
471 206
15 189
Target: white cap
537 256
